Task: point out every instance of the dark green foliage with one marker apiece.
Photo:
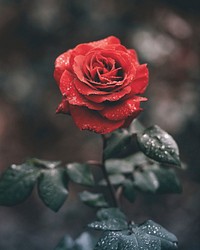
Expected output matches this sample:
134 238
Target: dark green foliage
52 188
115 179
118 166
118 144
17 183
80 173
109 219
84 242
119 236
93 200
129 190
159 145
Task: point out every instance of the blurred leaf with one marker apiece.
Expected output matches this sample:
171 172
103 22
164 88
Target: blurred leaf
118 144
115 179
109 219
52 188
80 173
117 166
67 243
107 213
168 181
146 181
84 242
148 236
159 145
155 178
17 183
138 159
129 190
93 200
43 163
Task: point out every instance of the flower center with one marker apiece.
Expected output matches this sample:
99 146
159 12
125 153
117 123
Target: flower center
104 70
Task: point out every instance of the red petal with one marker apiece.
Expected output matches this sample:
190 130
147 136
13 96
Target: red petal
63 107
141 80
123 109
130 119
61 64
72 95
134 55
106 41
87 119
87 90
114 96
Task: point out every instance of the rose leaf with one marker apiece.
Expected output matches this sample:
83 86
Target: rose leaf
118 144
118 166
17 183
129 190
148 236
52 188
115 179
159 145
93 200
168 180
109 219
80 173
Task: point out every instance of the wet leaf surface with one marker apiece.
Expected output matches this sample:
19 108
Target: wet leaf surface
17 183
159 145
52 188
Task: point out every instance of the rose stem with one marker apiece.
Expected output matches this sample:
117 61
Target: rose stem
105 174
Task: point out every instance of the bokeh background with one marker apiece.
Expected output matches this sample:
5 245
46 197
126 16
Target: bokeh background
166 35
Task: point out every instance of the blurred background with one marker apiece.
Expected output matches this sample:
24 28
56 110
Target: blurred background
166 35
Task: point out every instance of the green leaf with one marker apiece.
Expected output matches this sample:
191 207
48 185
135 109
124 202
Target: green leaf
93 200
17 183
107 213
168 240
109 219
168 181
52 188
84 242
159 145
146 181
118 144
118 166
129 190
148 236
115 179
80 173
43 163
138 159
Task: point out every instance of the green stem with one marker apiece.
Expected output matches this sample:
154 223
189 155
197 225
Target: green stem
105 174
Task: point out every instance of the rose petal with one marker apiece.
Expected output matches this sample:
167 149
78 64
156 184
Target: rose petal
141 80
61 64
130 118
134 56
123 109
87 90
63 107
113 96
106 41
87 119
71 94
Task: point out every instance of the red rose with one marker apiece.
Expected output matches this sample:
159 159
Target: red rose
100 82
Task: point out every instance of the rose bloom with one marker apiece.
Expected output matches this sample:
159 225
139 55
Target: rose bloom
100 83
